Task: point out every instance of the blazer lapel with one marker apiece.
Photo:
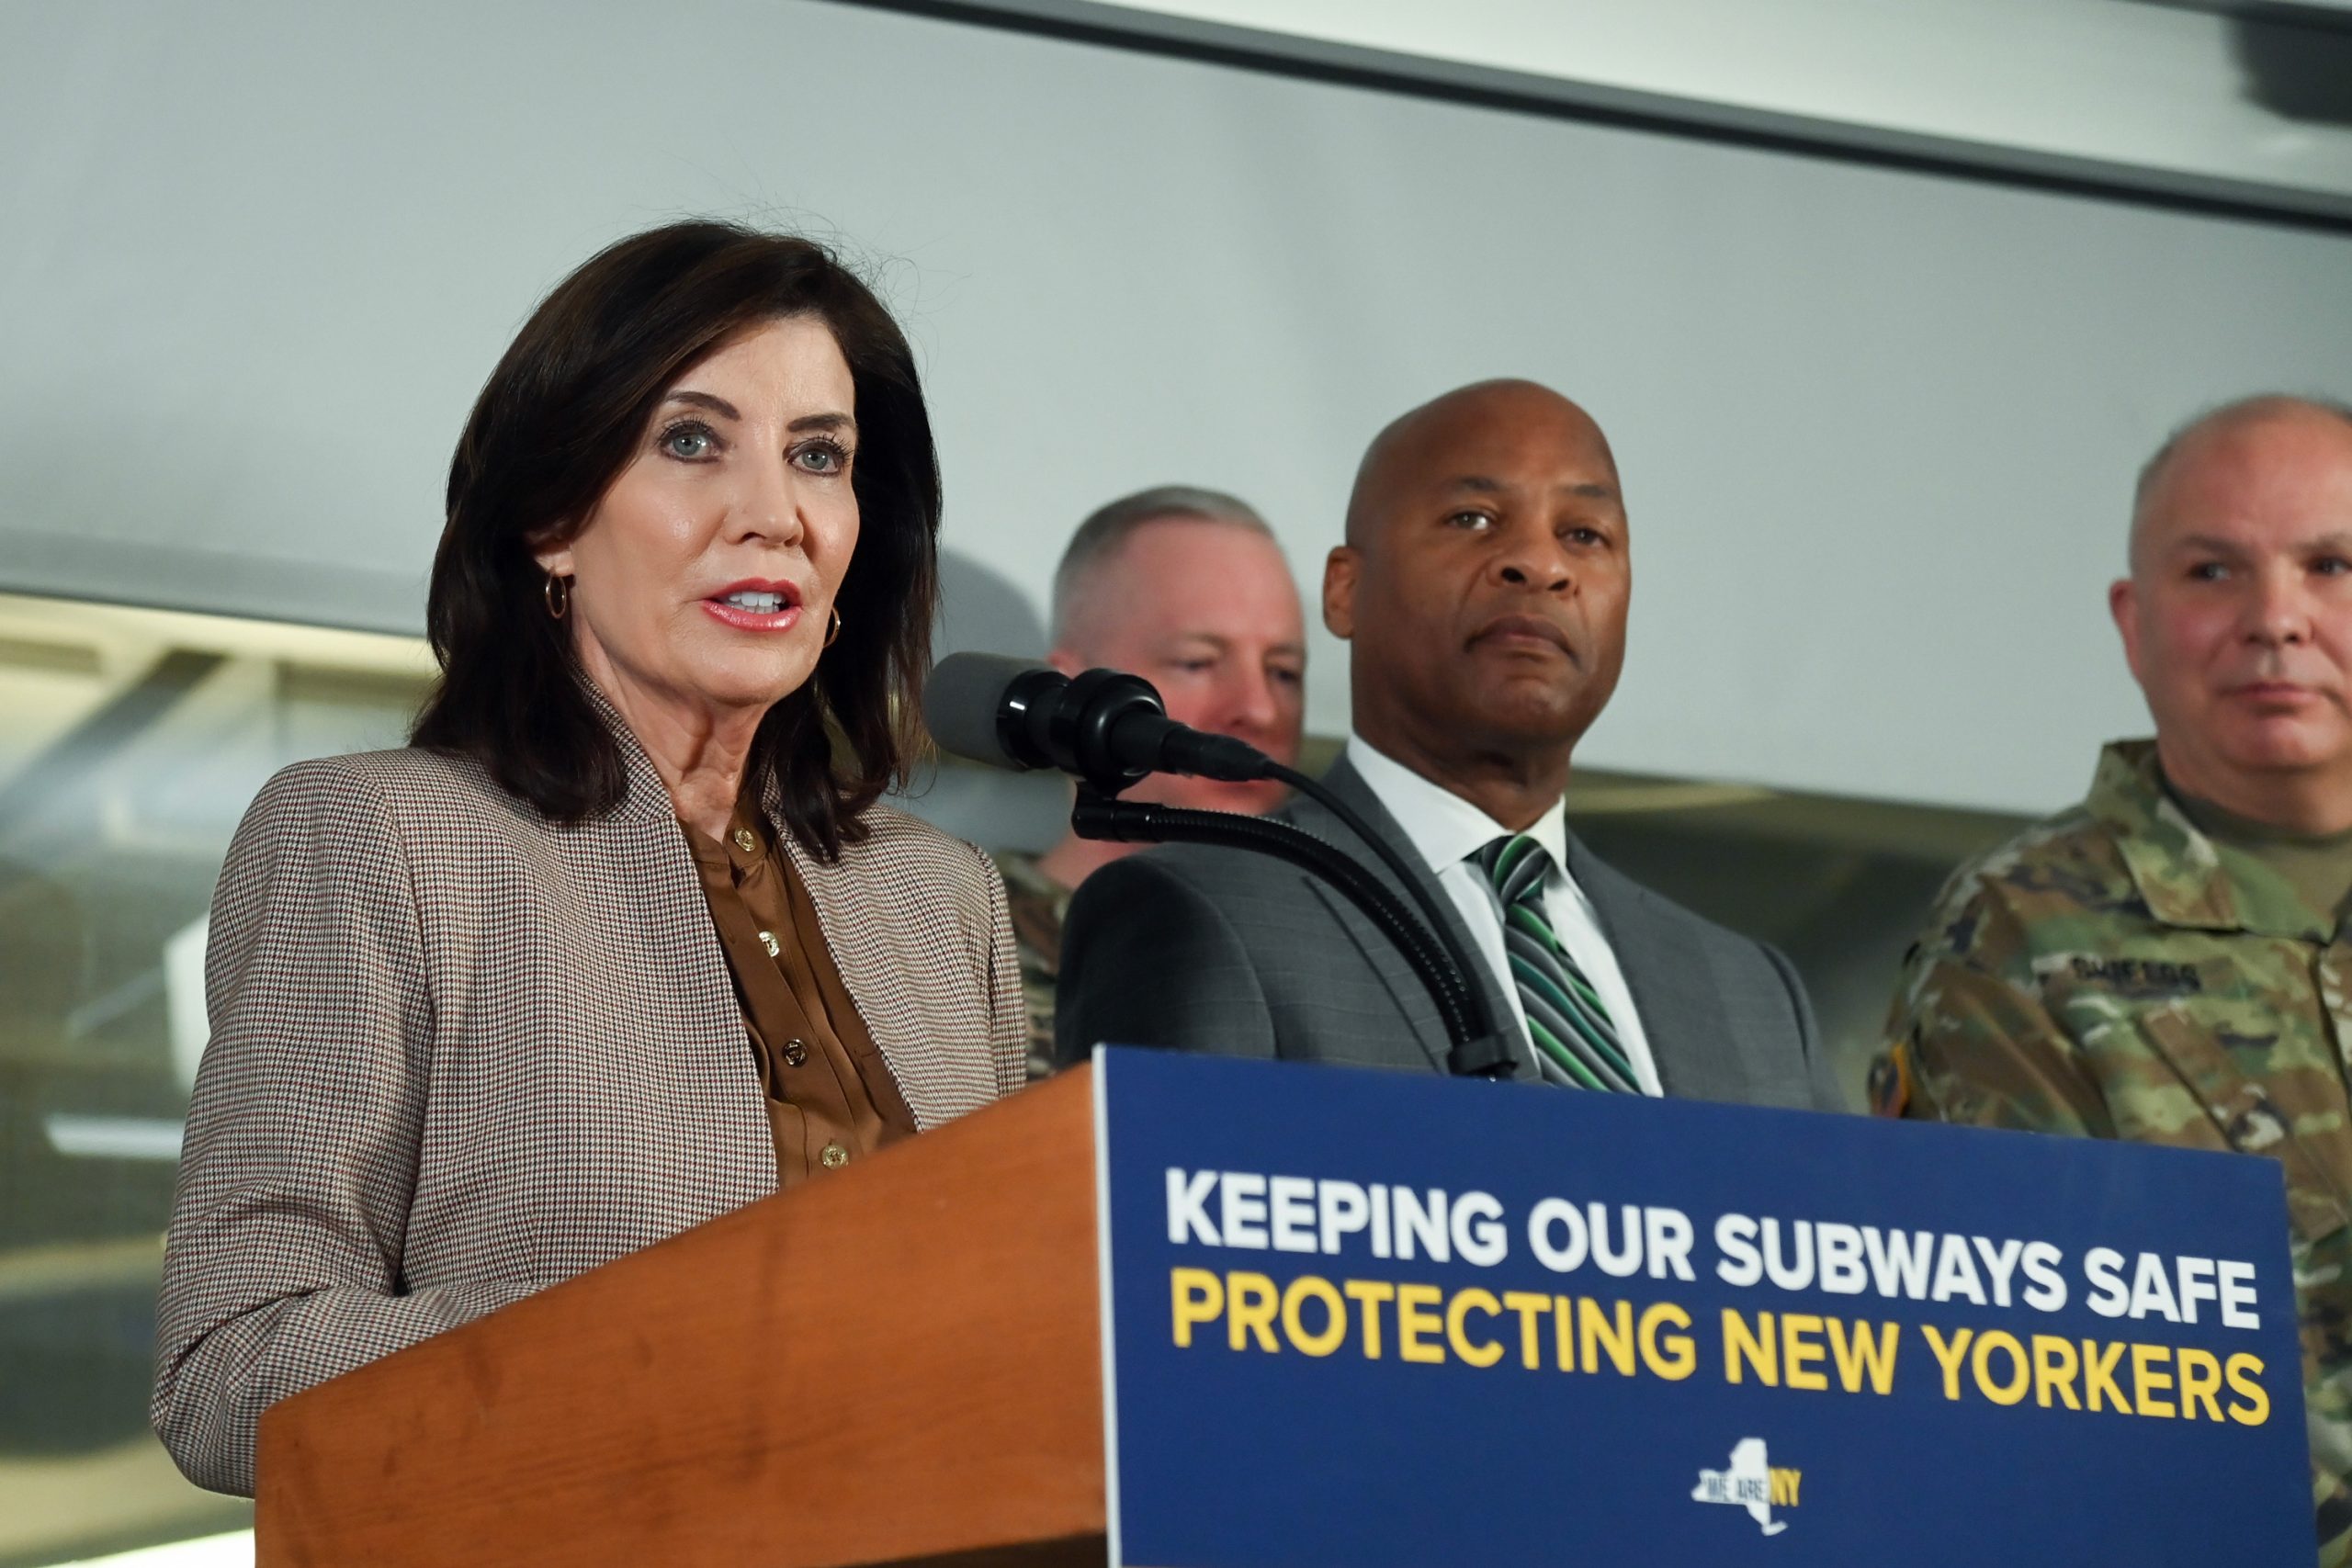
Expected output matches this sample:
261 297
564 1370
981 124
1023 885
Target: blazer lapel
1689 1033
1412 997
873 971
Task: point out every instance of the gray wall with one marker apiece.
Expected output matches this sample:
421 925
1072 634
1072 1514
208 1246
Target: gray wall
1877 427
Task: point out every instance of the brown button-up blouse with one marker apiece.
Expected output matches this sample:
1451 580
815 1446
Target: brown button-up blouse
830 1095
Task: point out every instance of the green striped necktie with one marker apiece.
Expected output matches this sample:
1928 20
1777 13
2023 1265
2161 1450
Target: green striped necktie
1576 1040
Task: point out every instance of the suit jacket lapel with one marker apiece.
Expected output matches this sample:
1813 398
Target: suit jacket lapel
1690 1035
1412 997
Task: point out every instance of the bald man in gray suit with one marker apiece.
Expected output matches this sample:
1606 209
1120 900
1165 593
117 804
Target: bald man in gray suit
1482 592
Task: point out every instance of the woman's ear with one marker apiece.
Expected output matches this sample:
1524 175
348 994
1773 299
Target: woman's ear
552 550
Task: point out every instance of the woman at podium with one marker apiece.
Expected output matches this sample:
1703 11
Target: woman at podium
623 939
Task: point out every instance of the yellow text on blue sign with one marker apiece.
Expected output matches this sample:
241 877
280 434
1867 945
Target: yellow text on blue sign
1245 1310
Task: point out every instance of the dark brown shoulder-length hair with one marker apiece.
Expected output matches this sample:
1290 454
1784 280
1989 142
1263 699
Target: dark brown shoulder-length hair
563 414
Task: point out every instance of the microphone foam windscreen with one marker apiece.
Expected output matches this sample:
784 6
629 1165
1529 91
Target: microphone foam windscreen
962 700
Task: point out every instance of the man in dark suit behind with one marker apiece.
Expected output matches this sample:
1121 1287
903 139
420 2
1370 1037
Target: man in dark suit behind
1482 591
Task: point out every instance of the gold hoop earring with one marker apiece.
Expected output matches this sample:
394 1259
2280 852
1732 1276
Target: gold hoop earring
556 592
833 634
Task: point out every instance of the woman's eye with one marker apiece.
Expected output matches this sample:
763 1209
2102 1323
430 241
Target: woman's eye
691 442
823 457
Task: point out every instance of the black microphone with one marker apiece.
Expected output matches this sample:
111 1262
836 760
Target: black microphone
1105 726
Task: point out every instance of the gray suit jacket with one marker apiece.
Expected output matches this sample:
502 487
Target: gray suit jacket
1220 951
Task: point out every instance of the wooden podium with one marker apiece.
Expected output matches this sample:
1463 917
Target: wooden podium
901 1364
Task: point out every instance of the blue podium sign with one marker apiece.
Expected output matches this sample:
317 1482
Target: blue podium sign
1360 1319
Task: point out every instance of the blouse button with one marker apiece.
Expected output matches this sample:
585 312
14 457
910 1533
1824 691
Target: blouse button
744 841
767 940
833 1157
795 1052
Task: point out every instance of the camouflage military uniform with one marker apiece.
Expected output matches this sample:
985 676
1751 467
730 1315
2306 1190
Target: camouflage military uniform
1038 905
2115 972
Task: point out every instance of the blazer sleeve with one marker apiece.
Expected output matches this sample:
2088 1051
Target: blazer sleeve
1149 959
1821 1073
1008 1003
282 1265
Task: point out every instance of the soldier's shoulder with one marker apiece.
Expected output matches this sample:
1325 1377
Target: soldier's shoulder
2064 869
2043 888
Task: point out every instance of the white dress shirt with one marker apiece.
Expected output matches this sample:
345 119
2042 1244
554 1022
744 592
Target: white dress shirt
1448 830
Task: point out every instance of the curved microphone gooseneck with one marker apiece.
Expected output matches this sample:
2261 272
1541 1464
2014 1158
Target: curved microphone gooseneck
1414 887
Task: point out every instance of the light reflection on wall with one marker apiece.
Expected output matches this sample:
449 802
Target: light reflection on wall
131 743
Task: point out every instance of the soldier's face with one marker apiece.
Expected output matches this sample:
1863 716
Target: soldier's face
2237 618
1207 612
1485 604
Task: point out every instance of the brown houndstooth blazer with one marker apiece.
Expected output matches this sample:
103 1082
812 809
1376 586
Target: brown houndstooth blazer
460 1053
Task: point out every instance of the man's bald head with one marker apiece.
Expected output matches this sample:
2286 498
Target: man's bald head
2209 437
1420 440
1482 591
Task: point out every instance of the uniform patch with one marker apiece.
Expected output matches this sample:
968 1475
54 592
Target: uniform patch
2140 976
1890 1084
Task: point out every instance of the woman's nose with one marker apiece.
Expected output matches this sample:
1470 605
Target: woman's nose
765 506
